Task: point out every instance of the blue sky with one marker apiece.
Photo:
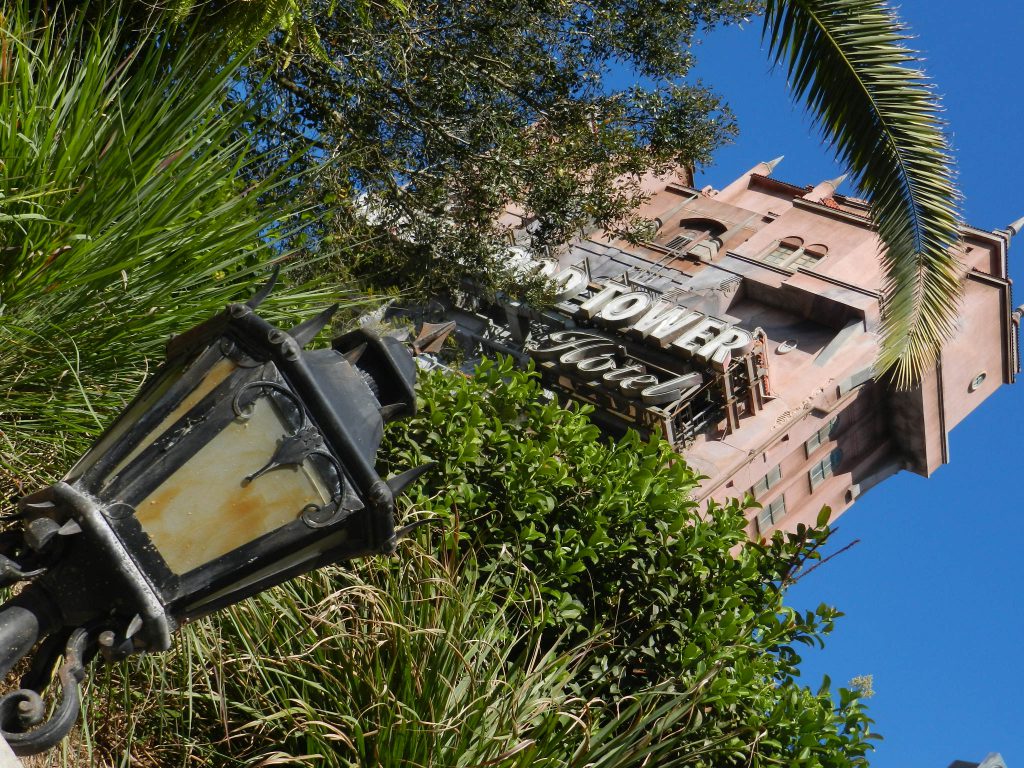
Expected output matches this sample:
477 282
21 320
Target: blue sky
932 591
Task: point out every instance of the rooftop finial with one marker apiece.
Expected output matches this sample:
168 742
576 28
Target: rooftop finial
837 181
1016 226
772 163
825 189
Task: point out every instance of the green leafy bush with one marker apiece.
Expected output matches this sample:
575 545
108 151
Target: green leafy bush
572 608
608 529
677 597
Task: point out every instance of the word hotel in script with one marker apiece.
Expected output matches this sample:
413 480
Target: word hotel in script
746 330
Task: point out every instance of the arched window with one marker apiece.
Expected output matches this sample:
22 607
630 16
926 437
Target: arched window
702 236
791 253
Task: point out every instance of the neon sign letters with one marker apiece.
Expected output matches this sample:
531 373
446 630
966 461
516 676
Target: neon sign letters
593 357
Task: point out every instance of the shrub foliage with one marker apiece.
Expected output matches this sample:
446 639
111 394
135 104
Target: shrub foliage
571 606
679 598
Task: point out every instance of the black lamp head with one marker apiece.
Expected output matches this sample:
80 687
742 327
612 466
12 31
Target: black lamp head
245 460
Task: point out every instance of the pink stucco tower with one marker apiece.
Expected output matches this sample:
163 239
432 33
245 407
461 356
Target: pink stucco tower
746 330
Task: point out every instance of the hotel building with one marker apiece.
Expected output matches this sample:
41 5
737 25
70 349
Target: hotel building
745 330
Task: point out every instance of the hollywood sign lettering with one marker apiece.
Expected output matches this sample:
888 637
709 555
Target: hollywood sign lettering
639 314
594 358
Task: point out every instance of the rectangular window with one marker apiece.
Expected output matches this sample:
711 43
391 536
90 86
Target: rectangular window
825 468
804 259
821 437
792 255
771 514
766 483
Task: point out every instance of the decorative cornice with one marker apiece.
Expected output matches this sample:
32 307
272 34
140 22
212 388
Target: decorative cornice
836 213
841 283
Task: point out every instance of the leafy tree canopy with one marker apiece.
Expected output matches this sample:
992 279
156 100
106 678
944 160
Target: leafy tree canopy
431 117
428 118
470 105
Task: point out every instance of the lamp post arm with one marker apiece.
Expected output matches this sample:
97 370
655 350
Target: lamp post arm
23 620
24 724
19 631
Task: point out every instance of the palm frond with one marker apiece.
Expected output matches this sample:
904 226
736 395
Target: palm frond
848 61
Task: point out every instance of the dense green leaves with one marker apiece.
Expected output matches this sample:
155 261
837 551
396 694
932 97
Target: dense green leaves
397 665
429 118
671 598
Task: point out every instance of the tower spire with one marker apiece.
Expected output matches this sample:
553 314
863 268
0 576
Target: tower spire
825 189
764 168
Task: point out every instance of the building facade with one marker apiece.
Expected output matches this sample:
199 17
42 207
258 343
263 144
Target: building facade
745 330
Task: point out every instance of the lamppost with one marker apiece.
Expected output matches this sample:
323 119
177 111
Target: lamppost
244 461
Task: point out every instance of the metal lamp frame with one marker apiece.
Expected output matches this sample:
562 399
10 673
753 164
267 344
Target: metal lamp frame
98 583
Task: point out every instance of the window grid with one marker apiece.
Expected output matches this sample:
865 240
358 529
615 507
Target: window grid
804 259
779 255
771 514
825 468
790 257
821 437
766 483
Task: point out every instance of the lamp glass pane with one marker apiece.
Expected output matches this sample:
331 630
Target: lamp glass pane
215 377
117 431
206 509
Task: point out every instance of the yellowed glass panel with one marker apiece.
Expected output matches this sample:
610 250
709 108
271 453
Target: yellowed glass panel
205 511
217 374
121 426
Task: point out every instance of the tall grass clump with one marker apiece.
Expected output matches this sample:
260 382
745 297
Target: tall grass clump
397 663
125 216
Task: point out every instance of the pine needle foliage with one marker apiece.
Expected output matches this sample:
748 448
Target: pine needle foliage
124 218
849 62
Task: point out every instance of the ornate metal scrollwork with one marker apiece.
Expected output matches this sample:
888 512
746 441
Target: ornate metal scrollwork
22 711
294 448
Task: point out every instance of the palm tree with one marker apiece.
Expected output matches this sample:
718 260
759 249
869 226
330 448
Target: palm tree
847 60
